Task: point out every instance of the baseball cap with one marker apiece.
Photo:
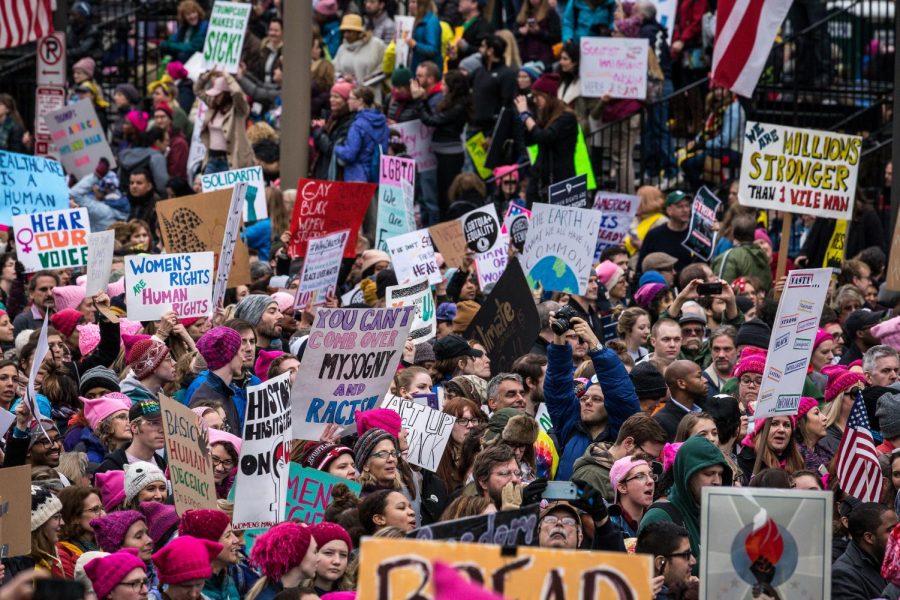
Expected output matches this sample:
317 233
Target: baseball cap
561 504
861 319
454 345
148 409
676 197
446 311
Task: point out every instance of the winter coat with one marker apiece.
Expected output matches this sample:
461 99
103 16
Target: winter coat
564 407
325 141
658 36
593 469
213 388
491 91
689 23
221 587
581 18
132 387
539 46
240 155
129 158
239 389
668 417
360 150
90 444
116 461
361 59
448 123
186 41
864 231
741 261
556 149
428 42
856 575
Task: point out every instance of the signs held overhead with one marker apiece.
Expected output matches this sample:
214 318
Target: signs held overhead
101 245
428 431
230 238
79 138
613 66
321 268
571 192
412 257
617 212
156 284
323 207
507 528
396 187
515 225
255 208
481 229
187 449
702 234
30 184
450 241
224 41
52 240
418 295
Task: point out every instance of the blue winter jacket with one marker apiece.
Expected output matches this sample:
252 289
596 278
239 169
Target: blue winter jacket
240 393
359 151
428 41
620 400
579 17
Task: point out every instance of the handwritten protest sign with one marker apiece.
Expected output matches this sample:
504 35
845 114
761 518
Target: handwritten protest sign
225 36
79 137
418 295
450 241
570 192
799 170
262 478
403 26
617 212
417 137
156 284
187 448
515 225
350 359
508 528
701 236
323 207
52 240
396 182
428 431
559 250
402 568
320 271
230 238
777 542
30 184
255 208
614 67
15 511
197 152
412 257
791 344
481 228
101 245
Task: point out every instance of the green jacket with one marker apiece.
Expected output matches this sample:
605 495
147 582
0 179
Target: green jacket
593 469
743 260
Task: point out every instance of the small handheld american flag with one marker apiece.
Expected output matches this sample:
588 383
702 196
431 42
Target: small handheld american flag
858 470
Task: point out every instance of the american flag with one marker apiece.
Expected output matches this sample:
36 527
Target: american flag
857 465
23 21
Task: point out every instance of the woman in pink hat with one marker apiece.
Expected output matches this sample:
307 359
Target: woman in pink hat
811 430
184 565
840 393
633 483
225 448
286 554
772 445
822 356
109 430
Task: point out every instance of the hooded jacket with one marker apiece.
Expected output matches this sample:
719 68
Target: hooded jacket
129 158
593 469
132 387
743 260
367 133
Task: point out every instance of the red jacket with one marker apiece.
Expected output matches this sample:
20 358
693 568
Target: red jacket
689 22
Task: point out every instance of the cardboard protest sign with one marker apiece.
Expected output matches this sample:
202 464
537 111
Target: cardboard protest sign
417 137
790 346
262 477
320 271
230 238
101 245
412 257
15 511
428 431
614 67
402 568
507 323
508 528
701 235
79 137
559 250
156 284
197 224
30 184
323 207
187 448
799 170
396 185
52 240
255 207
570 192
225 36
774 541
481 228
350 359
515 225
450 241
418 295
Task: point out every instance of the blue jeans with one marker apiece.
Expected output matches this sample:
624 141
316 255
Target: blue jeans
215 164
428 199
656 144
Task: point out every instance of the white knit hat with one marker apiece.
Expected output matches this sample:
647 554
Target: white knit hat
139 475
43 506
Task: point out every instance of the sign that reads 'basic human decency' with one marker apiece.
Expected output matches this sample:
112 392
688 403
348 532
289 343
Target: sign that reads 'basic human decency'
225 36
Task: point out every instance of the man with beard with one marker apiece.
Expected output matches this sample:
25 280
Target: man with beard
263 314
532 368
859 338
496 468
40 296
687 388
30 444
857 573
147 437
220 348
724 357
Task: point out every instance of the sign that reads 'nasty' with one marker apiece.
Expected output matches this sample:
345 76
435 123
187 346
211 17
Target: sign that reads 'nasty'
190 464
428 431
30 184
52 240
323 207
156 284
350 359
225 36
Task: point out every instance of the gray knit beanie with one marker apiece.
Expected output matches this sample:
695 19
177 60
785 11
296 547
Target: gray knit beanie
252 307
888 413
98 377
366 443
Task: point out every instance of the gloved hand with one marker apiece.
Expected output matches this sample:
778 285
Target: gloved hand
533 491
591 501
511 496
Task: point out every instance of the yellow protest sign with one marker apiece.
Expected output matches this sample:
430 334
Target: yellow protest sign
834 254
399 568
478 151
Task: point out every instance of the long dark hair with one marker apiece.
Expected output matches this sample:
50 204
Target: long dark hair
553 110
574 51
456 91
10 103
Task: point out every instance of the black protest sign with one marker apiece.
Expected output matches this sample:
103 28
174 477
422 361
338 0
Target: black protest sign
506 528
570 192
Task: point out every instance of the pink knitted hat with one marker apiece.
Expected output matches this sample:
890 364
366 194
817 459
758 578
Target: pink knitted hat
325 532
284 301
88 337
219 346
109 531
68 296
821 336
129 328
204 523
139 120
186 558
609 273
108 572
761 234
264 361
176 70
381 418
66 320
280 549
669 453
621 468
806 405
840 379
97 409
112 488
161 519
217 436
752 360
450 585
116 288
888 332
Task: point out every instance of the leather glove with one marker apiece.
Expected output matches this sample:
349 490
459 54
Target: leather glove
591 501
534 491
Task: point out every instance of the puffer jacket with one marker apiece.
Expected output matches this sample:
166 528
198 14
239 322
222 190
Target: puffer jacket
360 149
743 260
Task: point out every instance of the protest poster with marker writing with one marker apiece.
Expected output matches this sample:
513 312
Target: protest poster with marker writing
52 240
319 275
187 450
428 430
323 207
101 245
412 257
396 185
30 184
254 207
224 40
559 250
156 284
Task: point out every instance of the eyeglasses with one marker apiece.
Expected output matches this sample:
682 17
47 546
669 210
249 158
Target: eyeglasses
698 331
467 422
641 477
385 454
552 520
137 585
49 441
508 473
218 462
686 555
757 381
94 510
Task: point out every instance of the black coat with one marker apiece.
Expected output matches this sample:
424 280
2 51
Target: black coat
116 461
856 575
448 123
862 233
669 416
556 149
325 142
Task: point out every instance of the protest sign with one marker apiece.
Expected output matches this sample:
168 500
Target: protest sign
791 344
614 67
507 323
101 245
40 353
396 185
79 137
6 420
230 238
30 184
701 235
197 224
350 359
508 528
428 431
799 170
834 253
403 26
515 225
418 295
190 464
893 264
354 296
52 240
320 271
197 152
481 229
617 212
323 207
255 208
225 36
570 192
402 568
262 477
156 284
559 250
412 257
475 146
417 138
15 511
756 542
450 241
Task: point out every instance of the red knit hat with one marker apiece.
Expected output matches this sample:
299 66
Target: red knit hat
325 532
382 418
66 320
186 558
840 379
548 83
280 549
146 356
204 523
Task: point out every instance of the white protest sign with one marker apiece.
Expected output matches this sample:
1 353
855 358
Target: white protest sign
156 284
229 240
52 240
418 295
417 138
101 245
412 256
396 185
354 296
225 36
802 171
79 138
403 25
617 212
428 431
790 346
481 229
40 353
321 267
559 249
613 66
350 359
262 479
197 152
255 208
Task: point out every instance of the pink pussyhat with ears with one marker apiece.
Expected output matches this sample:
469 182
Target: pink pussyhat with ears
450 585
68 296
112 488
